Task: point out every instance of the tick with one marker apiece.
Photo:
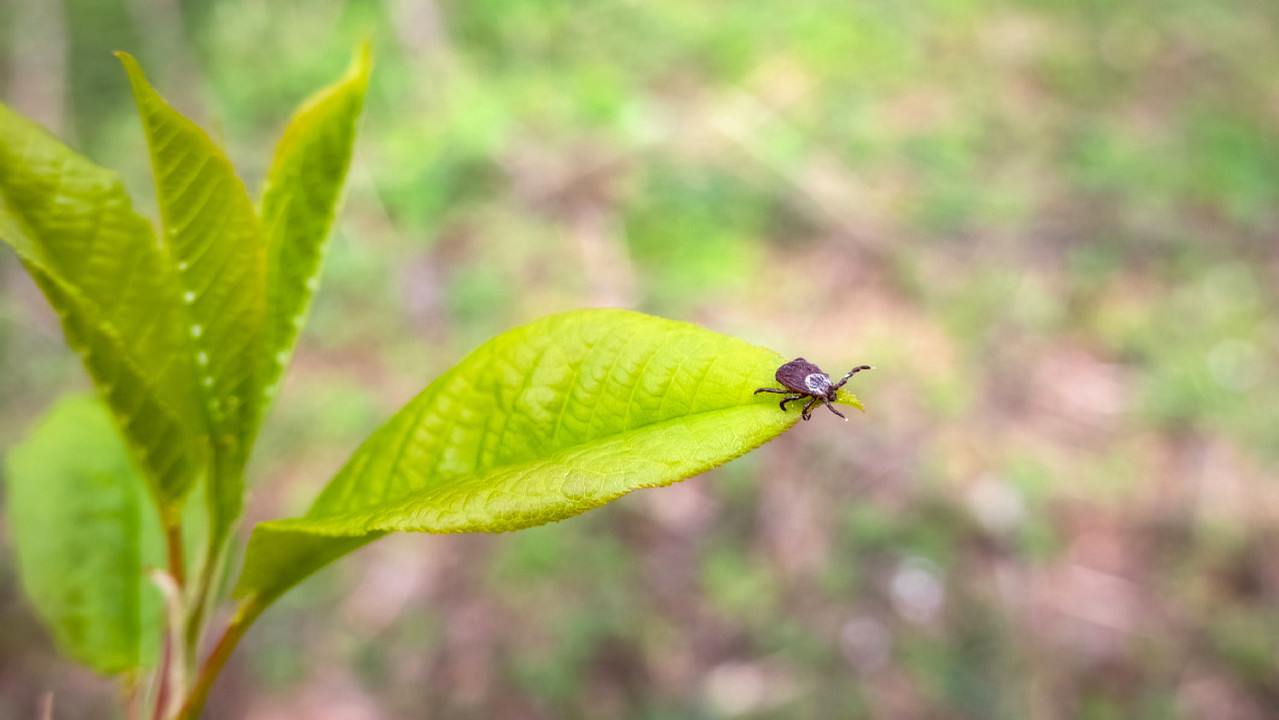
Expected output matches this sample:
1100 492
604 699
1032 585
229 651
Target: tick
801 379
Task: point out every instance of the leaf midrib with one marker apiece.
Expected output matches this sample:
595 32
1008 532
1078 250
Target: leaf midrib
441 479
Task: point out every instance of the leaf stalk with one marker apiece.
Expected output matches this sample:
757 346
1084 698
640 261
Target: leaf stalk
244 618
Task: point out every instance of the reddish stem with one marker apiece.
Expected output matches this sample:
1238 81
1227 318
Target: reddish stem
177 571
244 618
162 676
177 557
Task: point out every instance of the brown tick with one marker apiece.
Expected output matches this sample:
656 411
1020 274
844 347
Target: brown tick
802 379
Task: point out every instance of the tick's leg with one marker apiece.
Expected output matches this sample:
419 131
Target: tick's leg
808 409
832 408
788 399
772 390
851 373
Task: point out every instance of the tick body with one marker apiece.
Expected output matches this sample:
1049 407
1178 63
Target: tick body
801 379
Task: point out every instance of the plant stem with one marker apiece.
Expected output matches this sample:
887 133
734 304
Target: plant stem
129 687
244 618
162 678
210 572
173 677
202 598
177 558
171 585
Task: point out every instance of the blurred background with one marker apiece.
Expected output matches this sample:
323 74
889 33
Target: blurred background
1052 226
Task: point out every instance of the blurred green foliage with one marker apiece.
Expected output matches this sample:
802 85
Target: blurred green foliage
1053 226
87 531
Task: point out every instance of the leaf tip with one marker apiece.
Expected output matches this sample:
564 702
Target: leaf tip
129 62
843 397
362 61
137 78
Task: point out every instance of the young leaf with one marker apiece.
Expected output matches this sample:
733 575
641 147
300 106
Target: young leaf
213 236
102 270
539 424
84 531
300 201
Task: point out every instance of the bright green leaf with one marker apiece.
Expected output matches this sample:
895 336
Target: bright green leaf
300 201
85 532
539 424
98 263
212 234
843 397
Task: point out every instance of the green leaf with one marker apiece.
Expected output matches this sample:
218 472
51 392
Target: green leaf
213 236
99 265
84 532
300 201
539 424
